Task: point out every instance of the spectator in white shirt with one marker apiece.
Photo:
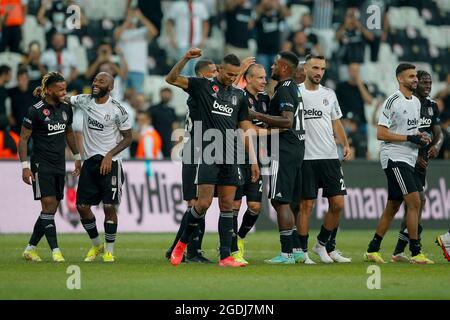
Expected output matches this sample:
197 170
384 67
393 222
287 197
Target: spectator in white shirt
187 27
133 38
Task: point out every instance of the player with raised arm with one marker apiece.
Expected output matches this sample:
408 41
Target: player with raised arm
49 124
223 108
106 132
203 69
398 128
430 124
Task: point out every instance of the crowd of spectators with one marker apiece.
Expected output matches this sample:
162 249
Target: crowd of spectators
132 39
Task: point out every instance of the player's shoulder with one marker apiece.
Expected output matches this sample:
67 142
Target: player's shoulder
392 100
326 90
118 107
38 105
263 96
432 102
290 83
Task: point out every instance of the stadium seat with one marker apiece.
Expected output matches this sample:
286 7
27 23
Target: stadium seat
396 20
293 21
410 15
32 31
327 41
81 58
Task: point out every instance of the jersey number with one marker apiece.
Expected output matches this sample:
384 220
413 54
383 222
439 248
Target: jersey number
297 117
342 184
114 190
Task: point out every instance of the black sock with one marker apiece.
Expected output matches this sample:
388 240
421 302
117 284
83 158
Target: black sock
49 227
414 246
286 241
303 242
403 239
110 231
331 244
248 221
195 243
90 226
323 236
234 246
192 222
295 239
181 228
38 233
225 233
374 245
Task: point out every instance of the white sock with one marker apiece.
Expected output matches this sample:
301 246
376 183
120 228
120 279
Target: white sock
30 247
297 250
110 247
56 250
287 255
96 241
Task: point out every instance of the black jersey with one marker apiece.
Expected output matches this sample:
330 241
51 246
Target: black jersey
219 107
49 124
191 150
429 116
287 97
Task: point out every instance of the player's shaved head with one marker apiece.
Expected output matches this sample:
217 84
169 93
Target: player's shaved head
102 85
107 75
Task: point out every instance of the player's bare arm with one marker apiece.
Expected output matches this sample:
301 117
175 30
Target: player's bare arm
174 77
436 143
384 134
339 133
284 121
25 135
106 164
72 143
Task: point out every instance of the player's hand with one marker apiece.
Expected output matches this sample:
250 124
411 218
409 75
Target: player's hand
193 53
247 62
105 166
424 139
252 114
37 92
347 152
433 152
27 176
255 172
422 163
77 170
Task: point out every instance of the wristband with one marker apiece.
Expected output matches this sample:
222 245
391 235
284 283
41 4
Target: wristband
414 139
25 165
77 156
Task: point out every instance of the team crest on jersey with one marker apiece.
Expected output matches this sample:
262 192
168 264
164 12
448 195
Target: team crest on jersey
215 88
113 181
250 100
46 112
107 117
430 111
325 102
234 100
64 116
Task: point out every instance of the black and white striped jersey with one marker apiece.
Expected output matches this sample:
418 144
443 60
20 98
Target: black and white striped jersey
102 124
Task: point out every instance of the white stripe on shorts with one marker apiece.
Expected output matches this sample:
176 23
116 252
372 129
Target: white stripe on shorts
400 180
274 177
38 187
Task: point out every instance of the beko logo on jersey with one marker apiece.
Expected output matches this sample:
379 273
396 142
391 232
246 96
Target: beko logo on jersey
95 125
425 122
313 113
413 122
56 127
222 109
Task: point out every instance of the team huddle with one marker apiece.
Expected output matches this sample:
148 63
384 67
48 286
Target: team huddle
298 129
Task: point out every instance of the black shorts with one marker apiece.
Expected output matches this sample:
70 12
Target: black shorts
251 190
323 174
420 178
401 180
94 188
218 174
188 175
48 184
285 173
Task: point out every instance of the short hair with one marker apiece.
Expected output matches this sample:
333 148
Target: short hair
165 89
422 73
21 71
402 67
4 69
314 56
231 59
289 57
49 79
250 69
201 65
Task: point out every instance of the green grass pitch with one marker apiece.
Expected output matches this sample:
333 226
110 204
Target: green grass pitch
142 272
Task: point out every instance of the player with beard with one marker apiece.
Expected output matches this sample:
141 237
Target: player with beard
285 112
430 124
49 123
398 128
106 133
